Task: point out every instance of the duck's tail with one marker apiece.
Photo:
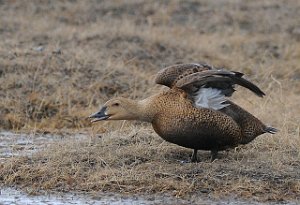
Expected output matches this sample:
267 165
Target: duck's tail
271 130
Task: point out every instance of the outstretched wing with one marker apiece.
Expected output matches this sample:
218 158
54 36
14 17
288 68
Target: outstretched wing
170 75
219 79
210 88
207 86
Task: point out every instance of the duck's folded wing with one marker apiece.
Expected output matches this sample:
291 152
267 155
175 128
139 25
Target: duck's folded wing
210 88
170 75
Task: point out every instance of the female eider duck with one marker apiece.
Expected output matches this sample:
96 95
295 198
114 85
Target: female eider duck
195 112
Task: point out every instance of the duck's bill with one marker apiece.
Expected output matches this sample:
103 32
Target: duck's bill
99 116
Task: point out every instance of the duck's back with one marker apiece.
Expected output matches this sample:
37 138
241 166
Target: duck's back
251 126
180 122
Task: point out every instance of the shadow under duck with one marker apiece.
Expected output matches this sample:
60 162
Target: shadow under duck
195 112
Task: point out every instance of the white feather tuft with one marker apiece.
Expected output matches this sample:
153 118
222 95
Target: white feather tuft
210 98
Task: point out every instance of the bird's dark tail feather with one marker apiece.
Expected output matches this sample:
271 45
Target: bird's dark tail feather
271 130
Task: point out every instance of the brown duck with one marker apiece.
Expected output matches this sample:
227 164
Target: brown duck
195 112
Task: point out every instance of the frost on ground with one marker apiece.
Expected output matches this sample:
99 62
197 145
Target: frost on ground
10 196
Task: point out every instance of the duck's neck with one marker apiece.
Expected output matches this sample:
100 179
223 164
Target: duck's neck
144 111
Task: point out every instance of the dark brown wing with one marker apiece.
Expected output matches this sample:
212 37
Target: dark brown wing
170 75
220 79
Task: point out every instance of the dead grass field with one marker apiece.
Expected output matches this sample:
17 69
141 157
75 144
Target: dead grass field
60 60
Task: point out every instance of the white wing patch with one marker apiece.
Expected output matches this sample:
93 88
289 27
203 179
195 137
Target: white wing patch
210 98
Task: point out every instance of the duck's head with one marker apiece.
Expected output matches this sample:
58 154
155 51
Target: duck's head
116 109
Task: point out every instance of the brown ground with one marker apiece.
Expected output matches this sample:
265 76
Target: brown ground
60 60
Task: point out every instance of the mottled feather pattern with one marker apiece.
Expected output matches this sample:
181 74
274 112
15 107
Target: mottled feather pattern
191 126
169 75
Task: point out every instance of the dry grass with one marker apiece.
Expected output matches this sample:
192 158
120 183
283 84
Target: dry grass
96 50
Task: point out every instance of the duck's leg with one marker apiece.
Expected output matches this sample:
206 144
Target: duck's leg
213 154
194 156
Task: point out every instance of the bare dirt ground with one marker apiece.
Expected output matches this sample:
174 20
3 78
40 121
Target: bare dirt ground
60 60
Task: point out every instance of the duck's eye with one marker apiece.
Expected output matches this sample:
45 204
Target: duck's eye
116 104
